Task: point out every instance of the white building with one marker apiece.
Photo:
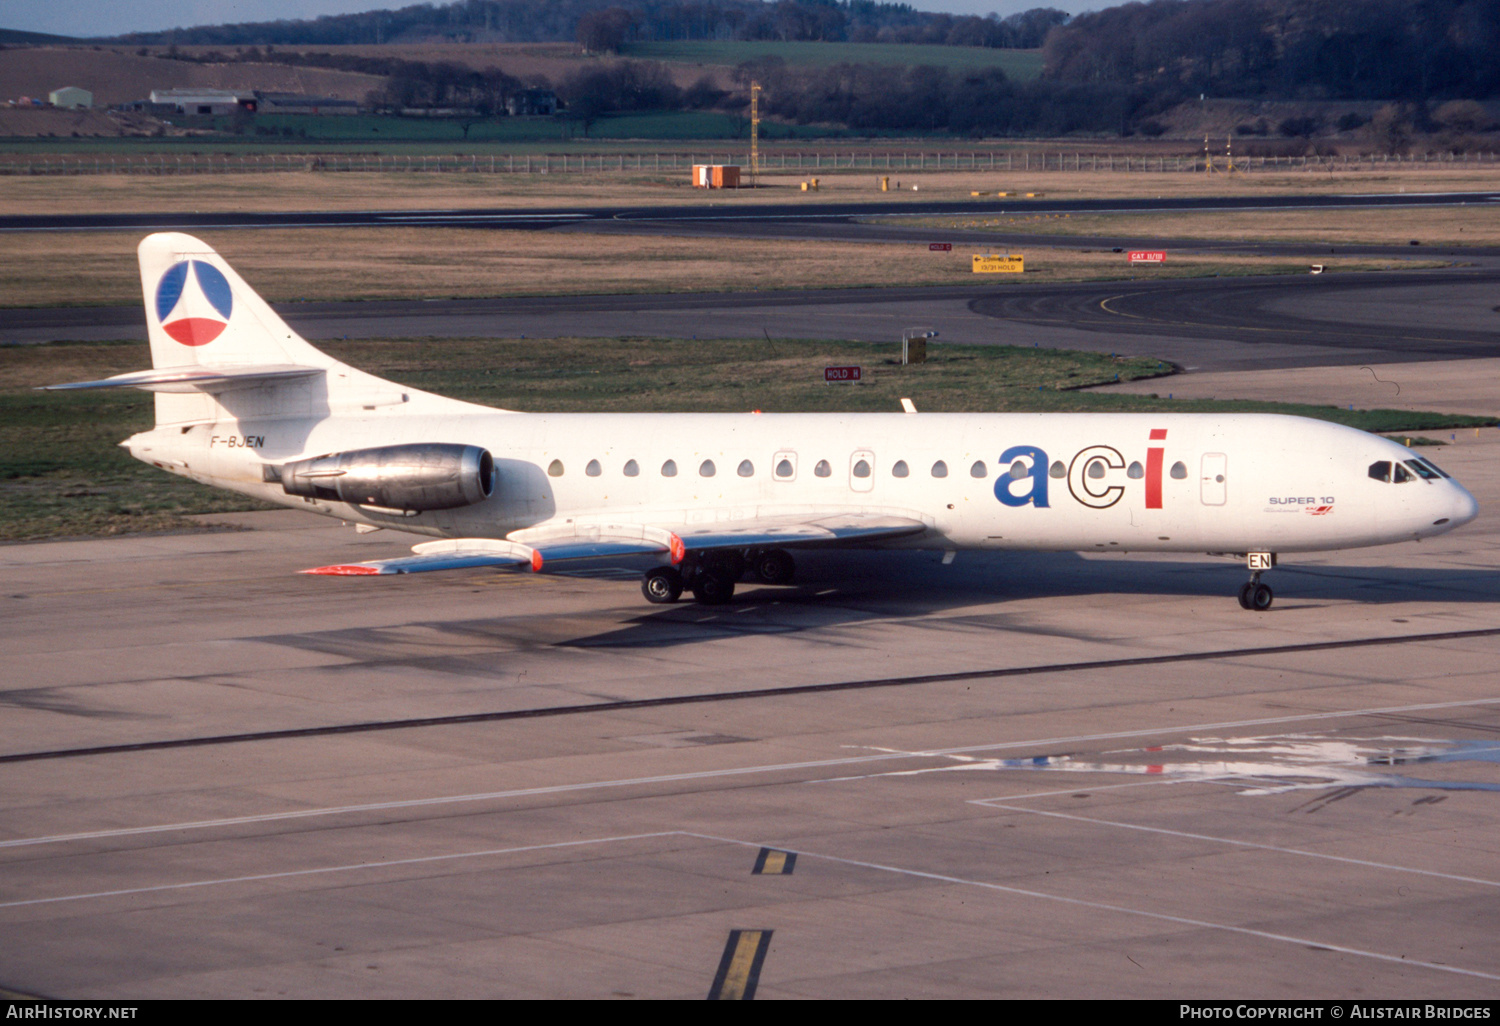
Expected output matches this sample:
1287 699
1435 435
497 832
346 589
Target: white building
71 97
203 101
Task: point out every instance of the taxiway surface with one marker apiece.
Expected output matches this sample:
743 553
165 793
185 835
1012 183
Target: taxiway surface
1199 323
1048 775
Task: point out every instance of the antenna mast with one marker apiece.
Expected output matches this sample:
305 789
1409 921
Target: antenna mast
754 133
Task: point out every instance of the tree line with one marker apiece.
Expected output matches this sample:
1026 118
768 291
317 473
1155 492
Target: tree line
529 21
1404 50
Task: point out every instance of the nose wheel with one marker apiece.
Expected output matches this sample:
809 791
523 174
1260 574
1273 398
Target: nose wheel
1257 596
1253 594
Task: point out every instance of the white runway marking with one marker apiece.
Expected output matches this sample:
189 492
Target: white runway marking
1164 917
1246 931
999 803
739 771
330 869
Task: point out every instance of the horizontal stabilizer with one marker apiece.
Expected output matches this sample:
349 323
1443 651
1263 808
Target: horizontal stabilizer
195 378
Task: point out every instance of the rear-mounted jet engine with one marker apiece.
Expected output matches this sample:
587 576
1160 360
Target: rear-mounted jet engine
409 478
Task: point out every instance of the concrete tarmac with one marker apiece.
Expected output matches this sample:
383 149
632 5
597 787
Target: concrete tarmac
1051 775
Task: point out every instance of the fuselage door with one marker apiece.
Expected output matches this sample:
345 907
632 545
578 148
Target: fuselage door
1214 478
862 470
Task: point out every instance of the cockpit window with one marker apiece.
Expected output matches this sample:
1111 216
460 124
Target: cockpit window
1423 471
1381 470
1434 466
1402 475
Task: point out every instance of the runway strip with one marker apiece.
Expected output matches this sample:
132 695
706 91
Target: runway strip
942 878
734 696
794 212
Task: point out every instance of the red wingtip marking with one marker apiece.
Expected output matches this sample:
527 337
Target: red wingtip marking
344 570
536 561
676 549
1157 434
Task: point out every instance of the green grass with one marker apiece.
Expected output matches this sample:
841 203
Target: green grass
62 472
369 133
1020 65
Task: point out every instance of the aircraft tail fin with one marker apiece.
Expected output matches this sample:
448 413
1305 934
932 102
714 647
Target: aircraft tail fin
200 313
219 352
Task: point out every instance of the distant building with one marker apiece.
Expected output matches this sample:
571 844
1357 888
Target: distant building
202 101
71 97
531 102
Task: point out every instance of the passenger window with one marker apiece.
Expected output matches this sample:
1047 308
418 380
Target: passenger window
1380 470
593 469
785 469
1421 471
1424 460
940 469
861 469
979 469
1179 471
1402 475
822 469
1136 472
747 469
1018 469
669 468
1059 471
899 469
555 469
707 469
1096 469
632 468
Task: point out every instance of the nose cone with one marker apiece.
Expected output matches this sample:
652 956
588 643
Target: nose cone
1453 507
1465 506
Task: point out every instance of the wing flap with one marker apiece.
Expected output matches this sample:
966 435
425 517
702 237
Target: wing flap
556 547
448 554
574 542
806 532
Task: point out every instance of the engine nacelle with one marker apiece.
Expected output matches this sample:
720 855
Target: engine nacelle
409 478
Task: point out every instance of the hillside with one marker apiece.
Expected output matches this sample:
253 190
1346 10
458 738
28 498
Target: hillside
117 76
1018 65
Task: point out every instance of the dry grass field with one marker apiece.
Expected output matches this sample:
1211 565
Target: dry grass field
99 194
120 75
1449 226
60 269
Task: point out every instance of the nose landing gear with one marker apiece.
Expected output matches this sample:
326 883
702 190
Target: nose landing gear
1253 594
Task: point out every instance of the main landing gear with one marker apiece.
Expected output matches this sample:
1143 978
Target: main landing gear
1253 594
712 577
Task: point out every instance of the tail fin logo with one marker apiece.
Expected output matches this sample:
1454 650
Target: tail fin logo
193 302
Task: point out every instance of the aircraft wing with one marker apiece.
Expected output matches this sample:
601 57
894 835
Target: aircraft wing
558 547
553 549
449 554
811 530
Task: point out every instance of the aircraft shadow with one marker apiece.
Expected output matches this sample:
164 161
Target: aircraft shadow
851 587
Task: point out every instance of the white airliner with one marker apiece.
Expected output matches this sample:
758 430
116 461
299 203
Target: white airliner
697 500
